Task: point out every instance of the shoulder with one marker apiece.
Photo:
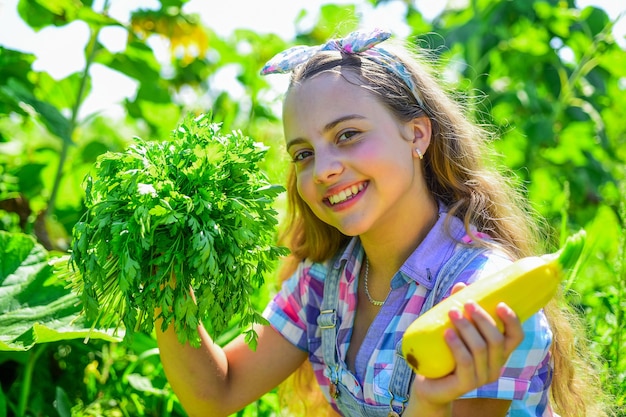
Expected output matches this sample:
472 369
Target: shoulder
469 264
294 308
308 277
488 262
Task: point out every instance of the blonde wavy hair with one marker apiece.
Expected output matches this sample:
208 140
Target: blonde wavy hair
461 171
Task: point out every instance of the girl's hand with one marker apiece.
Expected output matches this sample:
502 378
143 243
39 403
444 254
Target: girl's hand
480 350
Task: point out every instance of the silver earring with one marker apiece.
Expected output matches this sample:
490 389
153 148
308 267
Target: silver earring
419 153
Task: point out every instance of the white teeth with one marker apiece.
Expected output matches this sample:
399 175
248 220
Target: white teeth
344 195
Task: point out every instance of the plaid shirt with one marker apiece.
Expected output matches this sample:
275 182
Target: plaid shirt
294 310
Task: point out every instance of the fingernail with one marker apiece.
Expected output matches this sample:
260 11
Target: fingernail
470 307
507 310
455 313
450 335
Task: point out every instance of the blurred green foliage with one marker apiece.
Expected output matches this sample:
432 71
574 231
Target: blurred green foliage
547 76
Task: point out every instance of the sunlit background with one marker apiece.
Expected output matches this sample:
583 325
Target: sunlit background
60 50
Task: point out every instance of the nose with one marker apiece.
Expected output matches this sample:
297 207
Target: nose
327 166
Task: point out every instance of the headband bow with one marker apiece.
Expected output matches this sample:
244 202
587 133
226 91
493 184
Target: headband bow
356 42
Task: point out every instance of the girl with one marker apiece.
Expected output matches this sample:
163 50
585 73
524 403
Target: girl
391 205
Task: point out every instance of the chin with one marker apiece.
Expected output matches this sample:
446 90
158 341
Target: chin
351 230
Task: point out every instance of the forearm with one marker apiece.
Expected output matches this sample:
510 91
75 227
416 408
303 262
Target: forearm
484 407
480 351
198 376
417 409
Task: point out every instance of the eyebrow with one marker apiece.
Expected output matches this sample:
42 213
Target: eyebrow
327 127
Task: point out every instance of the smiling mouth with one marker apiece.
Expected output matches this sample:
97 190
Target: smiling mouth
347 194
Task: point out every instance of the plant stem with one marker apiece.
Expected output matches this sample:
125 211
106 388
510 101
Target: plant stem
621 276
28 377
92 46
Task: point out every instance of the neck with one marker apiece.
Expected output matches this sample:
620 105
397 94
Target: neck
390 248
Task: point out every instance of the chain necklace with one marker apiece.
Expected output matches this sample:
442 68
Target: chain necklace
367 291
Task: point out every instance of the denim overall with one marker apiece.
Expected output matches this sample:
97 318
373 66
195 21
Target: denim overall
402 375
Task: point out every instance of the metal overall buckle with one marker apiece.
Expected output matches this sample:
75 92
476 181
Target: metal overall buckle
333 389
392 412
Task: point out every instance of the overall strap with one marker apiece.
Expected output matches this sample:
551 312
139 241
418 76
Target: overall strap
327 321
449 272
402 373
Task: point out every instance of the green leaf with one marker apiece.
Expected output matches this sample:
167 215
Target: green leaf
15 64
532 40
95 19
143 384
197 208
62 403
54 121
61 94
332 17
614 61
35 305
595 19
138 62
41 13
3 404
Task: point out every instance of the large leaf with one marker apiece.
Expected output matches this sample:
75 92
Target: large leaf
35 305
39 14
50 116
62 94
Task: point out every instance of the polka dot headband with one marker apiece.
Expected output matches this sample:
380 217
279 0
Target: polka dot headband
358 42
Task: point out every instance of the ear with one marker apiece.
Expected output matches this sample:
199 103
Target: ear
422 132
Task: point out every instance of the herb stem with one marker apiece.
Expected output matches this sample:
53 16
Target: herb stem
65 144
28 378
621 279
147 230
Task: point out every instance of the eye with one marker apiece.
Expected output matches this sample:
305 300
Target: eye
301 155
347 135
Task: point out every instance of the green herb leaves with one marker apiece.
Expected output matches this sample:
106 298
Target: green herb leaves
163 218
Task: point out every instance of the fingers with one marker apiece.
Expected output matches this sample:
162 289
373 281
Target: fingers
513 332
470 350
493 341
480 348
458 287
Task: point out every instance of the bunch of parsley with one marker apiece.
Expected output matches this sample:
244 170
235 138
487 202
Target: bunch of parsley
163 218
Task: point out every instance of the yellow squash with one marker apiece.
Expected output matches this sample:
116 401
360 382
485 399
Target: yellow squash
525 286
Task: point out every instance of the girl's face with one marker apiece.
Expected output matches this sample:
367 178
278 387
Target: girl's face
355 163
